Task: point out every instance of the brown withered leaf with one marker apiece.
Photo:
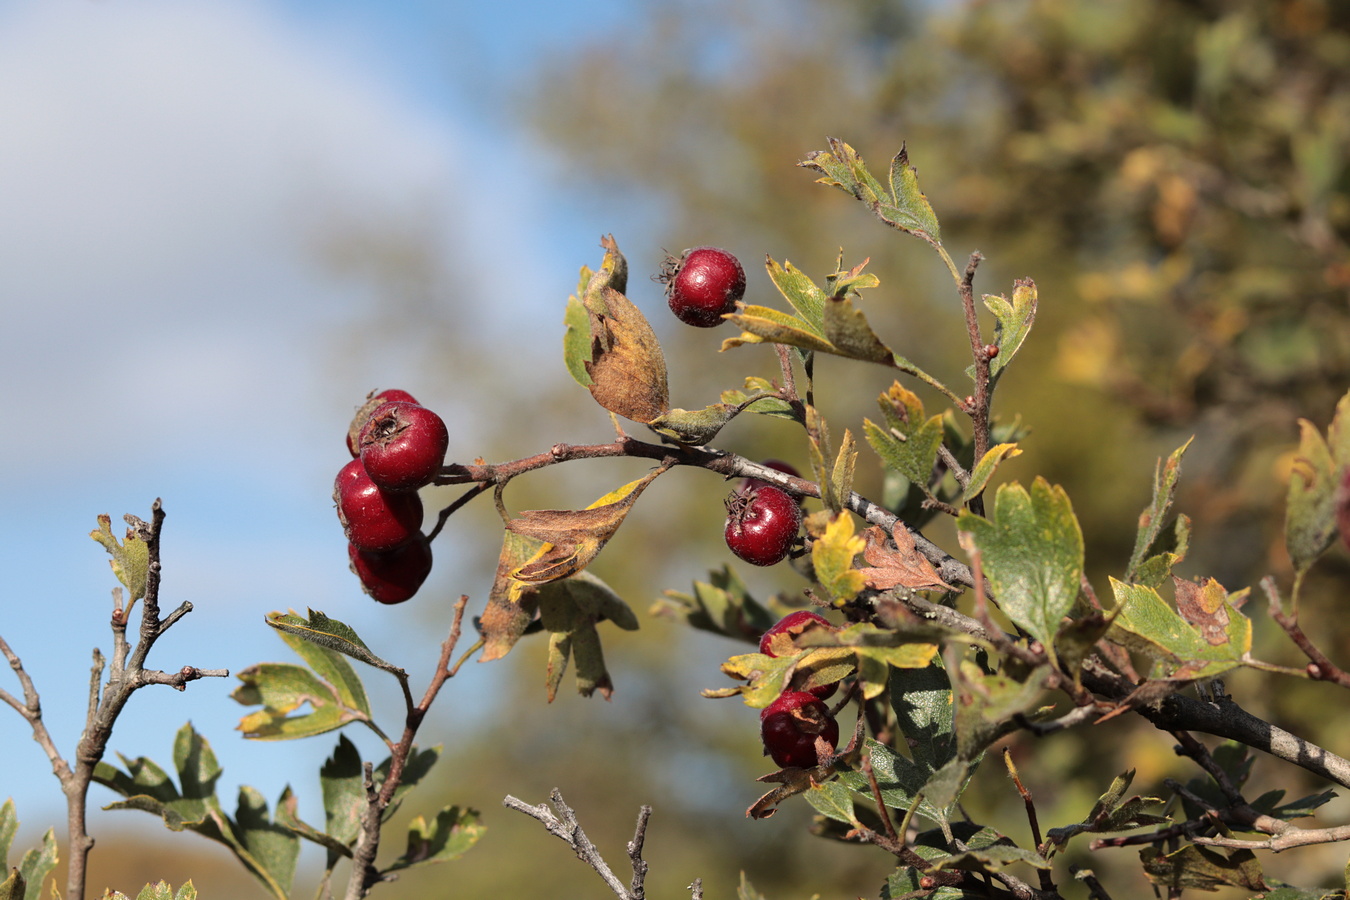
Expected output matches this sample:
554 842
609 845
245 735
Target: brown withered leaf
792 781
627 367
572 538
510 606
1203 606
897 562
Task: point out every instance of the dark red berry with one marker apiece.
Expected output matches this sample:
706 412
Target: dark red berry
794 624
789 727
373 519
403 446
762 523
373 400
702 284
786 468
394 575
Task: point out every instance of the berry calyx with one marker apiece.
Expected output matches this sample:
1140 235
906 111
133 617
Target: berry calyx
762 522
794 624
790 725
373 401
702 285
403 446
373 519
394 575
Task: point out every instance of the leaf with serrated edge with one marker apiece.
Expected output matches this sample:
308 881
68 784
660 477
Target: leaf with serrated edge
130 558
37 864
273 846
895 561
832 800
448 836
1151 519
1032 554
1202 868
1146 624
344 797
1310 517
850 335
800 292
985 468
332 635
832 555
1012 323
281 689
763 323
923 703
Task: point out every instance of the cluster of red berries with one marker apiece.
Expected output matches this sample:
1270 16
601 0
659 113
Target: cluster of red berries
762 520
790 725
399 446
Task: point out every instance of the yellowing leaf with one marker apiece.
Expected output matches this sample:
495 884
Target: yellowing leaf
832 555
130 559
573 538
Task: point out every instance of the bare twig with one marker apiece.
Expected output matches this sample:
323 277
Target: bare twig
1320 666
638 889
564 825
1047 882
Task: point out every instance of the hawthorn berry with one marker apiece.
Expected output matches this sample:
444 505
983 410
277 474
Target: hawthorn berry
393 575
762 523
793 624
373 401
702 284
403 446
373 519
789 727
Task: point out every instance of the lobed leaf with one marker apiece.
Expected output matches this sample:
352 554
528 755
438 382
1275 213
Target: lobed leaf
130 558
767 406
281 689
1146 624
895 562
721 605
987 701
832 556
448 836
1032 554
901 205
925 711
1012 323
1202 868
330 634
1151 520
801 293
908 442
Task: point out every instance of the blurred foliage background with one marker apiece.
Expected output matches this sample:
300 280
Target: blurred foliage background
1172 173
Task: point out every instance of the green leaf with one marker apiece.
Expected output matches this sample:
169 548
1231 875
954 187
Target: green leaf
1146 624
13 887
37 864
9 826
850 335
767 406
331 634
1310 518
986 702
1151 522
1111 813
272 846
448 836
721 605
1032 554
1202 868
694 426
570 610
800 292
1012 323
281 689
901 206
760 324
130 559
905 882
901 779
924 709
344 795
985 468
907 443
162 891
832 800
577 340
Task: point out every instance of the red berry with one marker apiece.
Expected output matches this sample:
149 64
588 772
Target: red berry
403 446
702 284
394 575
373 401
371 518
794 624
789 727
762 523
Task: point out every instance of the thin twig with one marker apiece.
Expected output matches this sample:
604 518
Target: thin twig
1047 881
638 889
564 825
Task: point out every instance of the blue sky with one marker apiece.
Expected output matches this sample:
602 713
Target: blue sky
165 326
